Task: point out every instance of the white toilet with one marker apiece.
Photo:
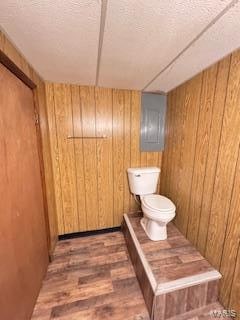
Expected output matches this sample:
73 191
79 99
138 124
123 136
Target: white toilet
157 210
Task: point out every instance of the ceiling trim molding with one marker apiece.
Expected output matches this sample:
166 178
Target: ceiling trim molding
5 34
101 35
219 16
11 66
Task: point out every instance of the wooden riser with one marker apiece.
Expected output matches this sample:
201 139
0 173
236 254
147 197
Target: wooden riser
204 313
174 278
184 300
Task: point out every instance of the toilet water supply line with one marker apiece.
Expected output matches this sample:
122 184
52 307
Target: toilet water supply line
136 199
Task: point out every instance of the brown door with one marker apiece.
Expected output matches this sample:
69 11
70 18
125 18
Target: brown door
23 246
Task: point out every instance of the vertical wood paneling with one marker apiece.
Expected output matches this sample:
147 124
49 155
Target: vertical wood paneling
118 149
46 166
231 244
167 150
64 125
103 99
201 151
127 149
213 146
179 117
135 137
171 103
152 159
192 97
78 159
159 164
202 176
55 155
144 159
179 165
235 293
96 168
90 156
226 167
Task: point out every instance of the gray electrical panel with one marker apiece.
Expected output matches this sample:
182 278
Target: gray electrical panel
152 121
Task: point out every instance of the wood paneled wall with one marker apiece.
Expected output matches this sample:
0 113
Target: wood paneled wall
39 93
201 167
90 176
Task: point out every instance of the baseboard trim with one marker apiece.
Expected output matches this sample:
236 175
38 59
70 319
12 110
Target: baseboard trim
87 233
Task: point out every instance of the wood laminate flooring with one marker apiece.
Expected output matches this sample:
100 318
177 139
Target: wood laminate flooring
92 278
170 259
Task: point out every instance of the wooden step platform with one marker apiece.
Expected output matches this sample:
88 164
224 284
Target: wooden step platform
174 278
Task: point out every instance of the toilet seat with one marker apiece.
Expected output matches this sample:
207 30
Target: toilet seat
157 203
158 211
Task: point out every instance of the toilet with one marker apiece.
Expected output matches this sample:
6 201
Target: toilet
158 210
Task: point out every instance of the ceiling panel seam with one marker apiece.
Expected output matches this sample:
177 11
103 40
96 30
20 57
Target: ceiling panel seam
219 16
101 35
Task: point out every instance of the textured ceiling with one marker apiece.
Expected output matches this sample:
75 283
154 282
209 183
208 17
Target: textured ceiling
219 40
59 38
135 44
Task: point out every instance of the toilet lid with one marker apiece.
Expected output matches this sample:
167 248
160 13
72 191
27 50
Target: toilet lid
157 202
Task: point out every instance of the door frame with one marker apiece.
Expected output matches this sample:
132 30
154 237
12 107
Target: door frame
12 67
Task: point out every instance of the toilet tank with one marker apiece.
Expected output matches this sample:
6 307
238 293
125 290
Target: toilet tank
143 180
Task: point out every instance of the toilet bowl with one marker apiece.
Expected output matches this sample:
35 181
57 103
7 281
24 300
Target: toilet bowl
158 210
